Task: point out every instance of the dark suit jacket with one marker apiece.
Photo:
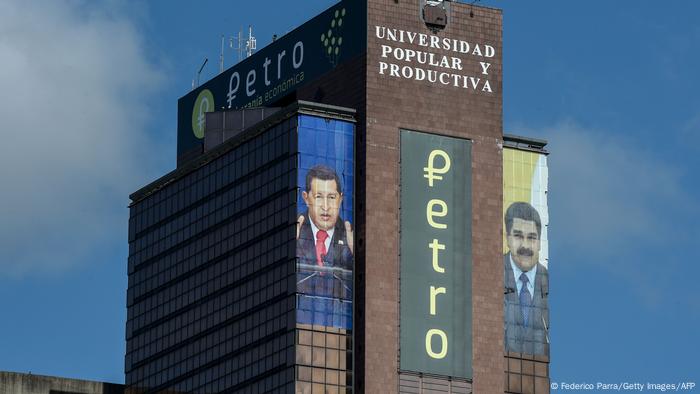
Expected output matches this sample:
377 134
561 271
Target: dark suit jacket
533 338
337 284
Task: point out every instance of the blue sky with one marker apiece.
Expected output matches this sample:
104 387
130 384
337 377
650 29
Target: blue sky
89 113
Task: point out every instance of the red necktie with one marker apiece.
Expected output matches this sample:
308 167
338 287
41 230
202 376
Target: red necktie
321 246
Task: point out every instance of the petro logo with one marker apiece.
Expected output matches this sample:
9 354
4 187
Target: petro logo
332 40
203 104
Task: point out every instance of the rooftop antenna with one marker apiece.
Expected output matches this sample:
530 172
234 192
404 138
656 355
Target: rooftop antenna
200 70
251 43
238 47
221 56
237 44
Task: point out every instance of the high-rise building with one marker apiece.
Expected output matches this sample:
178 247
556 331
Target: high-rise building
347 216
217 300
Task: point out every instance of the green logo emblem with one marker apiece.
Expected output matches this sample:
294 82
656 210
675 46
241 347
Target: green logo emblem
203 104
332 40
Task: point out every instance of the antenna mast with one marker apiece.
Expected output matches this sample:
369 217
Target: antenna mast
239 45
200 72
221 56
251 44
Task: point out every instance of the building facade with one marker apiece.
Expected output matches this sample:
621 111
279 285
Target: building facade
27 383
212 269
390 145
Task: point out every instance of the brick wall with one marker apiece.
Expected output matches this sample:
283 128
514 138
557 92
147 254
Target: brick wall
386 104
394 103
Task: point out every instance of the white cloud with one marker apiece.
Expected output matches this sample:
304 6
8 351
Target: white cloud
608 191
620 206
623 207
75 87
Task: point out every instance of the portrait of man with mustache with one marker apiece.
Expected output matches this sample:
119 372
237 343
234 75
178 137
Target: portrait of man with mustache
324 253
526 283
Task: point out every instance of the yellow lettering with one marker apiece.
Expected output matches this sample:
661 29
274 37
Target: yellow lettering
436 246
429 212
434 291
429 346
430 170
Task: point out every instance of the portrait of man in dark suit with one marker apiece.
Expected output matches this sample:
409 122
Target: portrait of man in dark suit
324 250
526 283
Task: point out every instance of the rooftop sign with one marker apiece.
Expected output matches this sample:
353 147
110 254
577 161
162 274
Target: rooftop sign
301 56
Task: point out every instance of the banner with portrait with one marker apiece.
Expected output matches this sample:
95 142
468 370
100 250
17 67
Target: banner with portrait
325 223
525 252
